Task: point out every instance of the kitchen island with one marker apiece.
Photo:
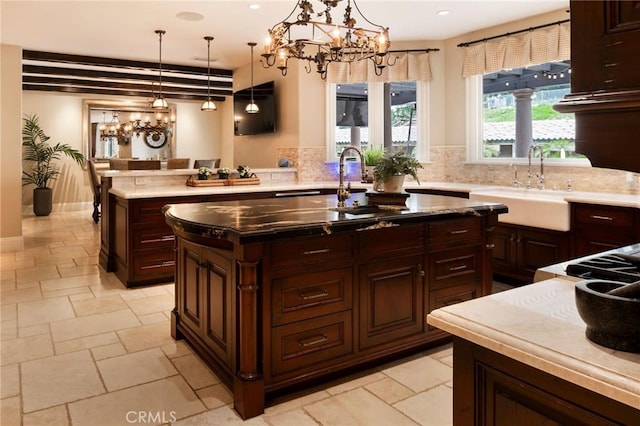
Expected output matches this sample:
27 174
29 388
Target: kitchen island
275 294
522 357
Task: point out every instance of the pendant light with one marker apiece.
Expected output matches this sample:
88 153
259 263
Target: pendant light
208 105
159 102
252 108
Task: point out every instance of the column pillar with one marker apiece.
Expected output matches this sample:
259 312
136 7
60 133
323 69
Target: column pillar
524 125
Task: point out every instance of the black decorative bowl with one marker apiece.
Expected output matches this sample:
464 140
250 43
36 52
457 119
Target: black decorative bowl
612 321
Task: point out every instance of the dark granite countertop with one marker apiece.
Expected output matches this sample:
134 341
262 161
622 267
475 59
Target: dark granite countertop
264 219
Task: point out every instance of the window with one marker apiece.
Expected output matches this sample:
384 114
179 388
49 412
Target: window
391 115
514 111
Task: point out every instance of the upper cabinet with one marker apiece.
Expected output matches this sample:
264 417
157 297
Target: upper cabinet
605 82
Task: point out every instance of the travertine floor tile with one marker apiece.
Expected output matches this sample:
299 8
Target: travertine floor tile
356 407
291 418
55 416
221 416
9 312
354 381
34 330
60 283
99 305
58 379
26 348
146 336
9 330
87 342
39 273
148 305
108 351
195 372
93 324
10 411
44 311
433 407
165 400
389 390
215 396
20 295
134 369
297 402
9 381
420 373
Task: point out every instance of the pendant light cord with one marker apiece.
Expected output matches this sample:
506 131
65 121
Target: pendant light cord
160 32
252 45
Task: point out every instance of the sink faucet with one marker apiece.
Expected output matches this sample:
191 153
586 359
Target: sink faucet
344 194
540 175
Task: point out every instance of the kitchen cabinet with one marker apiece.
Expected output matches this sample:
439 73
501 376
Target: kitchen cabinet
597 227
314 300
519 250
605 83
492 389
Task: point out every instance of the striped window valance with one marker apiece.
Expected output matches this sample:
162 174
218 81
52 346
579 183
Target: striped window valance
408 66
548 44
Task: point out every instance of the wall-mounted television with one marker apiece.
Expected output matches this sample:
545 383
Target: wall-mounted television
264 121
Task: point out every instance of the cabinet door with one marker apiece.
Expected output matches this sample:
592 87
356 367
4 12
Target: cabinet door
504 254
218 291
540 248
391 300
190 287
598 228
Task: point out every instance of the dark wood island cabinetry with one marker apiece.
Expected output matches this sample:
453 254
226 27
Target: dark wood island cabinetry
275 294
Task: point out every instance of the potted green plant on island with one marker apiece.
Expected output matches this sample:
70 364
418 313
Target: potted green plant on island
223 173
204 173
41 167
372 156
392 168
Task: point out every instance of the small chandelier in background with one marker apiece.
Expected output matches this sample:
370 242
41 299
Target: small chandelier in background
163 124
252 108
208 105
115 130
325 42
159 102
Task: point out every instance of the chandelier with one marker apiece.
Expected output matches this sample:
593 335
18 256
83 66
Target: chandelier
162 125
323 42
114 129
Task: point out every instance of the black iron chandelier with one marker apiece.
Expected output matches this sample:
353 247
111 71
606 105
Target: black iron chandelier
323 42
161 125
114 129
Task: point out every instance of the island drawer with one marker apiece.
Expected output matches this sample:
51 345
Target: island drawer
455 230
455 266
309 251
311 294
153 237
391 241
309 343
153 264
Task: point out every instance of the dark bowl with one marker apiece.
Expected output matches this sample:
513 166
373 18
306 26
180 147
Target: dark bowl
612 321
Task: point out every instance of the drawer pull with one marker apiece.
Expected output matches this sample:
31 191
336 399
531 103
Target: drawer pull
159 240
457 268
324 250
323 293
459 231
595 216
313 341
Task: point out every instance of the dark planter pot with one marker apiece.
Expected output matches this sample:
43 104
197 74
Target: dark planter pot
42 201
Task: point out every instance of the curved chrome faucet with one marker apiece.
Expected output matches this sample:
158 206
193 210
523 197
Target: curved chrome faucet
344 194
540 175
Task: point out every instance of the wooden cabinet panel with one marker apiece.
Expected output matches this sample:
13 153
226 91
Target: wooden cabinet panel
391 300
152 264
309 251
598 227
153 238
391 242
190 298
455 266
311 294
310 343
219 298
455 230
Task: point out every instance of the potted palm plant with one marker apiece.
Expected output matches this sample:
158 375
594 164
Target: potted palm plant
392 168
40 157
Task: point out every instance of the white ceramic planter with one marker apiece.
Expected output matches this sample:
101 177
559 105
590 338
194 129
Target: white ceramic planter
393 184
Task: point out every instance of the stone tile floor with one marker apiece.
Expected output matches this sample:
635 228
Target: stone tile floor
78 348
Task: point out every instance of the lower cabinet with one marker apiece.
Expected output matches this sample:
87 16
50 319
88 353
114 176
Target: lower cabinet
492 389
520 250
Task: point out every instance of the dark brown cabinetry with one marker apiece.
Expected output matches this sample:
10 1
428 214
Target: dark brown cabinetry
519 250
605 83
491 389
277 313
598 228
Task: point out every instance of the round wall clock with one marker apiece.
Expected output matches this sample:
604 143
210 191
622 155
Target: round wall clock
155 140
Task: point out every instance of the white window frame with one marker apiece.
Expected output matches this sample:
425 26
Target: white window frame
474 135
375 117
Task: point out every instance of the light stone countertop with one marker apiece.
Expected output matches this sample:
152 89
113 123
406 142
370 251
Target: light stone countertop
539 325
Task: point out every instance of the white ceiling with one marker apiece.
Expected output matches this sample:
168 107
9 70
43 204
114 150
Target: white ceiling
124 29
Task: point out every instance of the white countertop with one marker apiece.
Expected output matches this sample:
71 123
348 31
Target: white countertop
539 325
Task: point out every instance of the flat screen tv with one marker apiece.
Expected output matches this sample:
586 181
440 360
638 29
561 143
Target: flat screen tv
264 121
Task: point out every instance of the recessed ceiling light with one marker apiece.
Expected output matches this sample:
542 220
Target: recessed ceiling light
254 6
190 16
443 12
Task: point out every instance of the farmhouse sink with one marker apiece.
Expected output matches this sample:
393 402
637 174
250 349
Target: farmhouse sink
529 207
